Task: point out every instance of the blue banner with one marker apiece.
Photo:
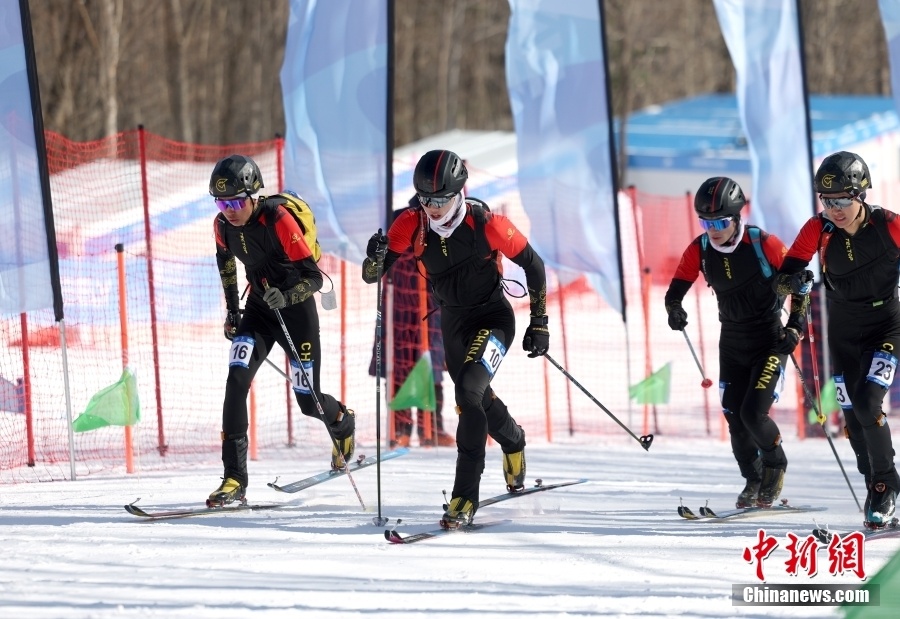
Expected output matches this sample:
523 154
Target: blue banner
334 84
890 18
26 281
763 38
556 76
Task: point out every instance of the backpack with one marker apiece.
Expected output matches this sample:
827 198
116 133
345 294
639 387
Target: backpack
299 209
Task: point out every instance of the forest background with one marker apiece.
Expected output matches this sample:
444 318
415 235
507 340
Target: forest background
207 71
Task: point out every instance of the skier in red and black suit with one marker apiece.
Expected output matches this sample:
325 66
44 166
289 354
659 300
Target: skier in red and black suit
739 262
457 240
857 244
269 241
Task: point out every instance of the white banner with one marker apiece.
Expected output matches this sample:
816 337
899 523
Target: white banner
763 38
334 84
26 281
556 76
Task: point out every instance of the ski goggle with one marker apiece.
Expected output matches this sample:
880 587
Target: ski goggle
716 224
232 204
836 203
435 202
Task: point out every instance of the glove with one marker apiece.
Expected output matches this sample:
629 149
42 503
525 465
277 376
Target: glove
677 317
274 298
801 283
537 337
232 320
377 246
790 337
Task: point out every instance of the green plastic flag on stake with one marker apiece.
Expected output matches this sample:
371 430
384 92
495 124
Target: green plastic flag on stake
829 402
418 388
116 405
654 389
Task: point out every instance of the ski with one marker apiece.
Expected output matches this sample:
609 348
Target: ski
747 512
360 463
196 511
892 529
393 537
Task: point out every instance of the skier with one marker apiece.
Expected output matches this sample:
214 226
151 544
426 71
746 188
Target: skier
739 263
457 240
279 259
408 321
858 247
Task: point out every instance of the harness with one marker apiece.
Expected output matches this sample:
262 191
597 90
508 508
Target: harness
481 214
828 230
755 241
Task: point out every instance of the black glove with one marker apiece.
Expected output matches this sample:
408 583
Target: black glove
677 316
801 283
377 246
537 337
274 298
232 320
790 337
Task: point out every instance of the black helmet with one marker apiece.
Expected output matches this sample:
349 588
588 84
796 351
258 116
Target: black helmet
843 172
719 197
439 174
235 175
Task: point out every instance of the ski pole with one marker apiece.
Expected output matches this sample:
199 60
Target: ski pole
645 441
707 383
821 419
280 371
312 390
378 520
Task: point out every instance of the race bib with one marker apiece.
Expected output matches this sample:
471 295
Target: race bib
241 350
881 372
841 394
779 385
493 354
302 376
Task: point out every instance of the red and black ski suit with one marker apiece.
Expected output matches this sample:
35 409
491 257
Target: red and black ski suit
860 276
272 247
477 321
751 372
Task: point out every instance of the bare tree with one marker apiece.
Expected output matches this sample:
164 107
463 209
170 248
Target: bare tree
207 70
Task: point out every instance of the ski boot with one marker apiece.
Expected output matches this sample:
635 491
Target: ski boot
770 487
747 497
514 471
230 491
458 513
347 445
880 505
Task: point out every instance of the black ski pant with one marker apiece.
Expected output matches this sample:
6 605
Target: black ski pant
865 343
472 342
751 376
256 335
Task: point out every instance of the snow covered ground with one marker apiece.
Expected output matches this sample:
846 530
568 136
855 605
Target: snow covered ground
613 547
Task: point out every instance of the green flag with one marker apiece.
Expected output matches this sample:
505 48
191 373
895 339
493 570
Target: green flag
829 402
887 581
116 405
418 388
654 389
